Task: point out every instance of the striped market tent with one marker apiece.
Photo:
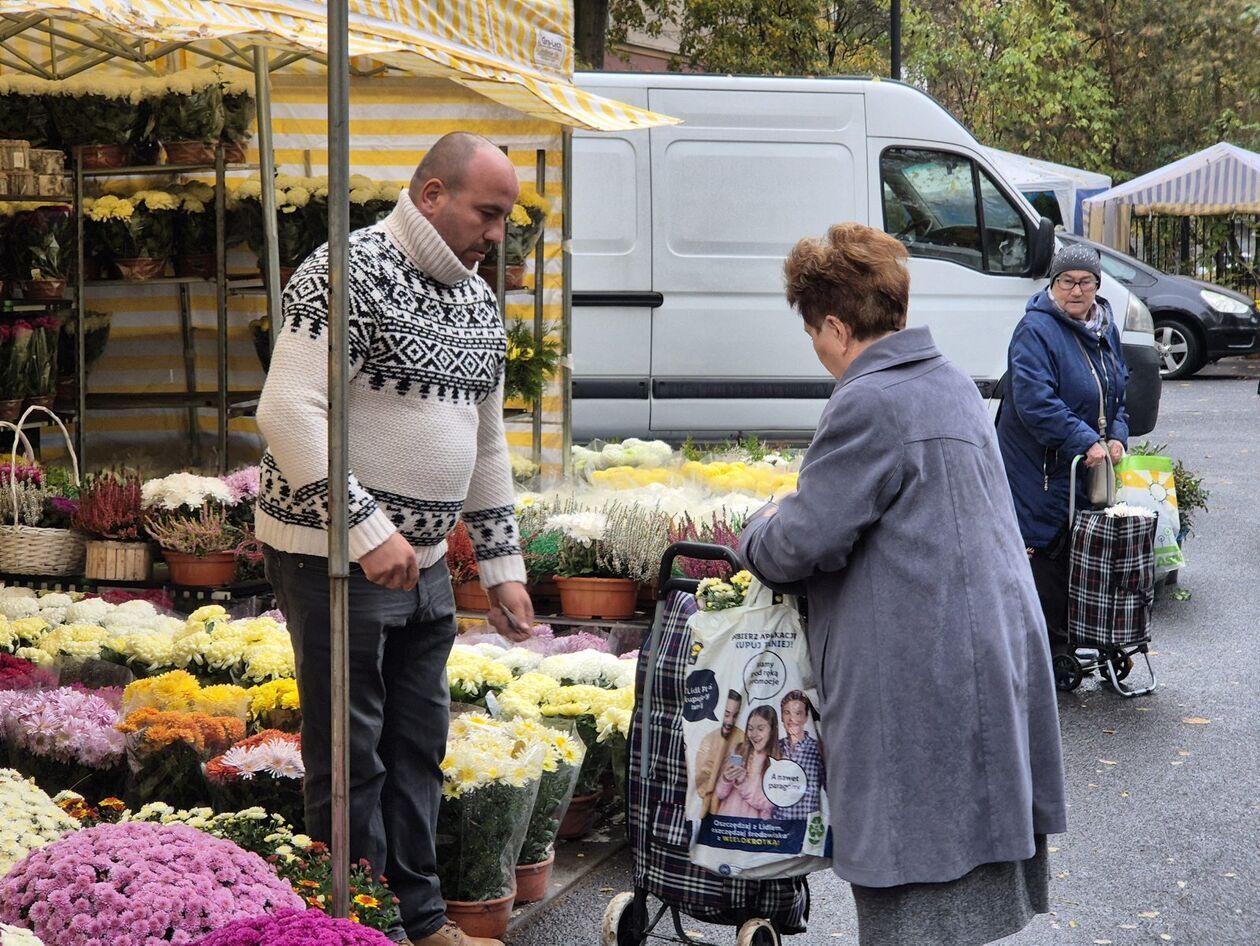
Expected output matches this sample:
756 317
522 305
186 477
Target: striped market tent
1222 179
419 70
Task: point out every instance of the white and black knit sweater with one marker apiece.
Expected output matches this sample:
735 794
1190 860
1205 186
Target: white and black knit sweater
427 350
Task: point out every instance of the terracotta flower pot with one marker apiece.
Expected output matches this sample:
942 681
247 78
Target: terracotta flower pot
532 880
545 590
189 152
470 596
607 598
43 288
201 571
513 277
106 156
488 918
196 264
647 595
11 409
141 267
579 818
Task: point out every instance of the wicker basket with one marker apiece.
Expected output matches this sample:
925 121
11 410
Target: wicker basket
27 550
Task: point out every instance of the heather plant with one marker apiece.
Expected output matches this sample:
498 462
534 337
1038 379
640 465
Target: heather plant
461 559
714 531
110 507
635 540
208 530
138 884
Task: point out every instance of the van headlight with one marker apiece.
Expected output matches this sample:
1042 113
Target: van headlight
1137 317
1223 303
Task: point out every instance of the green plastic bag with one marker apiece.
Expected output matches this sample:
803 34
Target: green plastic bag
1148 482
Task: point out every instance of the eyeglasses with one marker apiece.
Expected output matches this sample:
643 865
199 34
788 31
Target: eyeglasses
1067 283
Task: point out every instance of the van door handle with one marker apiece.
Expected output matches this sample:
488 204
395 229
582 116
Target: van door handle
626 299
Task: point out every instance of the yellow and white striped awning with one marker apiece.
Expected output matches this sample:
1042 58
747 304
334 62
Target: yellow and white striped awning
518 53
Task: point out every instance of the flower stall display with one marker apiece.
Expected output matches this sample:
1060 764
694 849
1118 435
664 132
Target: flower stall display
264 770
135 233
490 781
138 884
30 821
593 581
298 224
296 928
370 202
64 739
40 243
101 115
524 227
713 531
561 763
165 751
188 114
243 486
631 452
110 516
180 692
189 517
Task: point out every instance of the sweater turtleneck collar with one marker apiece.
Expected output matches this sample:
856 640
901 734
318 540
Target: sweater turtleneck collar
415 236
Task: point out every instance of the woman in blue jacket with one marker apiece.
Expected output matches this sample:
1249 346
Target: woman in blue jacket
1064 357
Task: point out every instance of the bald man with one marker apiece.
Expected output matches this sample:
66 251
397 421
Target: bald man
427 351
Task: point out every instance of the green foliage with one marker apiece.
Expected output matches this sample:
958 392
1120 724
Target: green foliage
40 242
529 364
1191 493
196 115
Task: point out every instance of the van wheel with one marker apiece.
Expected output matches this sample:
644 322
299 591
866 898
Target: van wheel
1180 353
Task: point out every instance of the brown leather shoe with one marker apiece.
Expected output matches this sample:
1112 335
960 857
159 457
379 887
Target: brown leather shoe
452 935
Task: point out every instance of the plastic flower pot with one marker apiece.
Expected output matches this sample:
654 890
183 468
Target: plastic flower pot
488 918
532 880
106 156
11 409
580 817
189 152
470 596
607 598
213 570
234 152
140 268
43 288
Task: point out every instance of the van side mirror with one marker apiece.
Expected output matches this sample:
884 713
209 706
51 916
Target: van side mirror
1042 249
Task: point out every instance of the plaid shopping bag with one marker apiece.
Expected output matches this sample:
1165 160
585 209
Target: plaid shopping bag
1111 579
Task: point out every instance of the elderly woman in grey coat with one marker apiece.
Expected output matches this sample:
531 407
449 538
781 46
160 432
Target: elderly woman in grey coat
938 717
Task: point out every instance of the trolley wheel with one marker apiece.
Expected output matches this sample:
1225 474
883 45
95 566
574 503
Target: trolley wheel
758 933
1122 663
623 922
1067 672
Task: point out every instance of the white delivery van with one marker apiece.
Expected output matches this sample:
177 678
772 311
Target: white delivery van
680 326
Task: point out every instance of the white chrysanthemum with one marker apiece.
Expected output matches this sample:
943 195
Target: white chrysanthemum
582 527
55 599
520 660
186 490
53 615
14 607
88 611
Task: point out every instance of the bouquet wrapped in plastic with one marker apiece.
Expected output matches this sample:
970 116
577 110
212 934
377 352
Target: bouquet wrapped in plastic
64 739
165 751
263 771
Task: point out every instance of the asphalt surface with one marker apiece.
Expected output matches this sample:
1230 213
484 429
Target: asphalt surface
1163 843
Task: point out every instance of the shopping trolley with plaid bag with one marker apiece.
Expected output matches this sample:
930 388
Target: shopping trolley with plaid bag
1111 590
656 799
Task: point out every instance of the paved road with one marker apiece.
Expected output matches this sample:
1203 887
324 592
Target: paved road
1164 840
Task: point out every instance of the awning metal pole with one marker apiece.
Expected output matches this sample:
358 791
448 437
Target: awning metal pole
566 305
266 174
338 443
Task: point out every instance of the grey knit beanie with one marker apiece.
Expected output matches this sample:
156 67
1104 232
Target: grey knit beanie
1076 256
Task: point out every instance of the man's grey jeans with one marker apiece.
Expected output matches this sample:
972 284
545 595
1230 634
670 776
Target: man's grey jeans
399 710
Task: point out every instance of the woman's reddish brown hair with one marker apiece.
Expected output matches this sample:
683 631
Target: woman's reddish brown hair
858 274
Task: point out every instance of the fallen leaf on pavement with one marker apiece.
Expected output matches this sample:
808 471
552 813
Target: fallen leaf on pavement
1195 720
1107 762
1182 752
1165 937
1053 850
1110 732
1229 873
1124 794
1181 884
1073 924
1102 942
1128 926
605 889
1182 594
1149 914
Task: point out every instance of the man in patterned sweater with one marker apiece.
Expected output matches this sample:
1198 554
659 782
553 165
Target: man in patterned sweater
427 351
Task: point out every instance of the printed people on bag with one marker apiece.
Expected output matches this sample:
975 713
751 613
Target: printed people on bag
800 747
715 749
740 790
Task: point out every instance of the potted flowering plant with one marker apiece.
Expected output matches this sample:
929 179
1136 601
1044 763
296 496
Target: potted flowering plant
561 763
36 507
102 116
289 927
111 516
64 739
370 203
472 676
189 518
298 223
15 341
194 244
25 804
264 770
275 705
239 113
592 580
243 485
40 241
137 232
41 384
490 781
524 226
529 364
165 750
182 881
580 705
461 560
307 866
188 114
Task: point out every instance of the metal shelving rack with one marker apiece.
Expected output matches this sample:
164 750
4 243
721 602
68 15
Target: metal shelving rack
226 403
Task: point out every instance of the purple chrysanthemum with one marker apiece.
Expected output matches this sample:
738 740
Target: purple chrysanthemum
138 884
295 928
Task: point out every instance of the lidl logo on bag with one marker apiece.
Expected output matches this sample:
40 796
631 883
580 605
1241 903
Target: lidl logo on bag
694 655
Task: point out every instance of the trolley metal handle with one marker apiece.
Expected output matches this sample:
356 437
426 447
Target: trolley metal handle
704 551
1072 481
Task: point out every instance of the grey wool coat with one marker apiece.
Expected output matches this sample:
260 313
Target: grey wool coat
939 719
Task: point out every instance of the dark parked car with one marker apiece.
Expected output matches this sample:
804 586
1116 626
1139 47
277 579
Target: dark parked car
1195 322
